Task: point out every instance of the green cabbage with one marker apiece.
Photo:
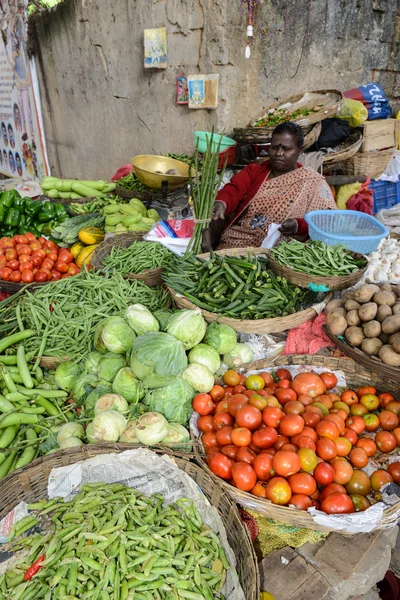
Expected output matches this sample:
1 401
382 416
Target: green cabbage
199 377
66 375
70 442
111 402
220 337
89 435
163 317
109 366
151 428
188 326
178 438
240 355
98 333
140 319
108 426
129 435
158 358
117 336
70 430
84 385
91 400
205 355
92 362
126 384
174 401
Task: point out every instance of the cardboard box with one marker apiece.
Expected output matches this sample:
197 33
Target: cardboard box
379 134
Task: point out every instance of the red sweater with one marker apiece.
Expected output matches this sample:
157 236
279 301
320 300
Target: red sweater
240 191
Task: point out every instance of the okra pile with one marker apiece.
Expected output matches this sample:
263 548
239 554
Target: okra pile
112 543
238 287
317 258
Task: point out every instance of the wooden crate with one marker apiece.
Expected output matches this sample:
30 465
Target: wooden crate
379 134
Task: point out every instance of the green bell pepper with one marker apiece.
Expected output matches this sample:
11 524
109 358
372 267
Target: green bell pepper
39 229
2 212
59 211
32 208
47 213
19 204
12 218
7 198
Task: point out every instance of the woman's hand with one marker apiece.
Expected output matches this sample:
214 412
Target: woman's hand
218 210
289 227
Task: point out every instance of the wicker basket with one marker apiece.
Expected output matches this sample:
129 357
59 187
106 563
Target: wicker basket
345 150
151 277
260 326
9 287
263 135
30 484
371 164
372 363
356 375
303 279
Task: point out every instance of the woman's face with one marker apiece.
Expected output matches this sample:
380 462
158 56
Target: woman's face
283 152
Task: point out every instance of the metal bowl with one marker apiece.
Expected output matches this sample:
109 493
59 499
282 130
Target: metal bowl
153 170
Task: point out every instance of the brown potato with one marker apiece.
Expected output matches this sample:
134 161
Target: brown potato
352 305
372 329
371 346
385 298
391 324
348 296
333 305
396 290
384 337
337 324
365 293
368 311
396 309
389 356
394 341
383 313
355 335
352 318
386 287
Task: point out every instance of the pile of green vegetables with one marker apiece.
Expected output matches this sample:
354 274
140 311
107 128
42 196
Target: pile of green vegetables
317 258
138 257
110 541
72 189
134 216
238 287
22 215
131 183
66 234
95 205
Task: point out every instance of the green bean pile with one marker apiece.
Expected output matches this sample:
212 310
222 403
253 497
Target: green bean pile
112 543
242 288
65 313
138 257
317 258
131 182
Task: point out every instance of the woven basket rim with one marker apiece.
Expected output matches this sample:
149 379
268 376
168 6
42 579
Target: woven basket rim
347 152
257 135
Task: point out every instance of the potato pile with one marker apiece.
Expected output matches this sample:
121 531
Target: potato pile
369 319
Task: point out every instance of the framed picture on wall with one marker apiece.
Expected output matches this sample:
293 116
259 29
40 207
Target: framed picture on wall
203 91
182 92
155 48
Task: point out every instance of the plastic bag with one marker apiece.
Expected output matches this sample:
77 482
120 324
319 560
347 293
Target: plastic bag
373 96
345 193
354 112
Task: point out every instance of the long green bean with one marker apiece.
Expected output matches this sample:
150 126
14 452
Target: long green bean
138 257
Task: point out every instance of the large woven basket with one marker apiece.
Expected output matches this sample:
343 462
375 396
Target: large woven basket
303 279
372 363
263 135
275 325
371 164
151 277
356 376
30 484
345 150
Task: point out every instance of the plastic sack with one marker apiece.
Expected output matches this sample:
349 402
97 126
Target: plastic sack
392 171
373 96
345 193
122 172
354 112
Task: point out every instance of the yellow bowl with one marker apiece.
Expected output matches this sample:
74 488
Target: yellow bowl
153 170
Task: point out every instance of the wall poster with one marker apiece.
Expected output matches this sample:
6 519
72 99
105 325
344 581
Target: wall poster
22 146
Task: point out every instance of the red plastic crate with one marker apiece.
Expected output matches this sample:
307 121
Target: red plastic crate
229 153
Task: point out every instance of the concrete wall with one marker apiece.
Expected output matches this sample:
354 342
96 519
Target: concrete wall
101 107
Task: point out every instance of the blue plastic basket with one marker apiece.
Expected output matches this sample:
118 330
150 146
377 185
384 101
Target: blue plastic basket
386 194
356 231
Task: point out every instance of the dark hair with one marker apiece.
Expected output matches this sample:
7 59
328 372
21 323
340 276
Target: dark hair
292 129
9 127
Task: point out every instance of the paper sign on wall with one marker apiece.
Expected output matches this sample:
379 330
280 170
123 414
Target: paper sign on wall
155 48
203 91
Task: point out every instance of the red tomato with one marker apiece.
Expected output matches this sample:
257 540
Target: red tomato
327 429
27 265
5 273
56 275
305 399
394 471
249 393
15 277
223 435
263 467
363 391
326 449
290 446
222 419
367 445
258 401
21 239
302 483
307 431
52 255
335 418
244 476
309 383
385 399
301 501
337 503
235 402
27 277
241 436
267 378
286 462
396 433
285 395
281 441
47 264
11 254
283 374
222 406
272 416
217 393
61 267
329 379
259 490
343 470
205 423
380 478
239 389
278 491
351 435
343 445
324 473
3 262
311 419
25 249
230 451
359 483
209 439
65 256
291 425
283 384
358 458
303 441
293 407
35 246
13 265
221 465
245 455
265 437
40 253
249 416
388 420
385 441
202 404
331 488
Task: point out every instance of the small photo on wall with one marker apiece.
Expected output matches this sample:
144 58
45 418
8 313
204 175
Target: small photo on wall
203 91
182 92
155 48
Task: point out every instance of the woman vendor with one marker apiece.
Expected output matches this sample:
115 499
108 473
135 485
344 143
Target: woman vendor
279 190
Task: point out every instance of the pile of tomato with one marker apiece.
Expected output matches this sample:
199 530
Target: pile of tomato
295 442
25 258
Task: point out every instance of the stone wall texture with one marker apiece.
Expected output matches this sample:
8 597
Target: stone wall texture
101 107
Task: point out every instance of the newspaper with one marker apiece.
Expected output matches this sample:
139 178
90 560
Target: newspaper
147 472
